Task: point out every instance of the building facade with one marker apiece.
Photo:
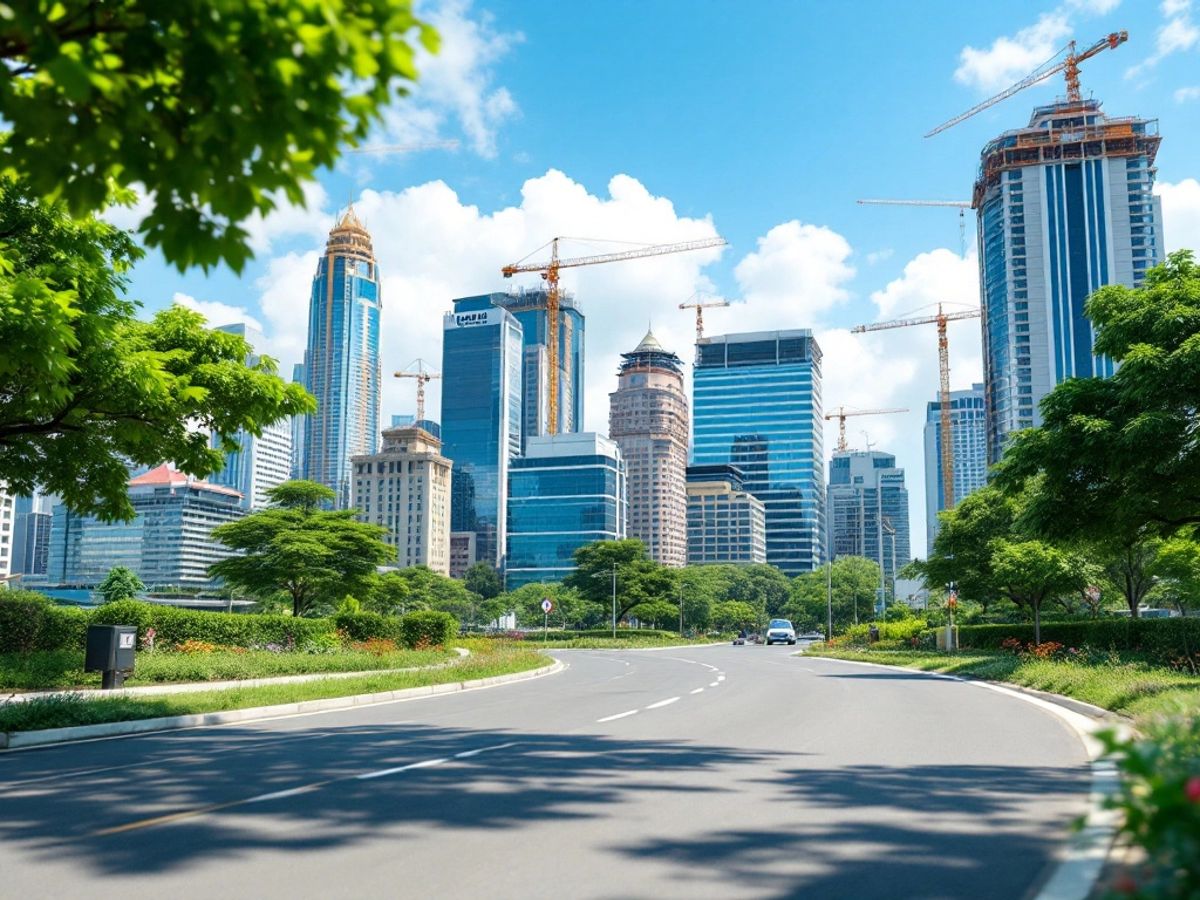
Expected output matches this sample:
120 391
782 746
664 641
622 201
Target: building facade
481 418
298 426
757 405
868 509
1065 205
7 526
168 543
405 487
648 419
341 362
968 428
725 524
31 534
462 552
567 491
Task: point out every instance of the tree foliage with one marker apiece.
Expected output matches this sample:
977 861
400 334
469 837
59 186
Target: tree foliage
962 550
1029 572
483 580
217 108
120 583
639 579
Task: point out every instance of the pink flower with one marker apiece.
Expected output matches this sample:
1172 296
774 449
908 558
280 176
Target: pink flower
1191 789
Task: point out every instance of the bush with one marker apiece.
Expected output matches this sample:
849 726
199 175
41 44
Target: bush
366 626
30 621
173 626
898 633
1168 641
428 628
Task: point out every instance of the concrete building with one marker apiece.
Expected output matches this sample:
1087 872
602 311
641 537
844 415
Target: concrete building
868 509
568 490
757 405
7 524
31 534
968 426
405 487
648 419
725 524
462 552
169 543
341 362
1065 205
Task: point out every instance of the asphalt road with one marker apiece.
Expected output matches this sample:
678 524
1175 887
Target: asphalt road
701 772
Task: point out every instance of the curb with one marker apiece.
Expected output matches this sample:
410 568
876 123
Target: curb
19 740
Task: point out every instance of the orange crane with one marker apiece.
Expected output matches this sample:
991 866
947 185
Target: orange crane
1069 65
842 414
944 383
700 307
961 205
549 271
423 377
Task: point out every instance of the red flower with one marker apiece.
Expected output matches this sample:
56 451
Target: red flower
1191 789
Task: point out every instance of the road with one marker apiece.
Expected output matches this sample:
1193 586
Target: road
699 772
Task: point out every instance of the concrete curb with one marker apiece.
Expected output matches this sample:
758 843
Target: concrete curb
19 740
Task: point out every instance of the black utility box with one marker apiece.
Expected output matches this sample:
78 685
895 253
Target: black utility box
111 650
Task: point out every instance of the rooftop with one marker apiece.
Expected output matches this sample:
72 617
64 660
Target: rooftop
168 476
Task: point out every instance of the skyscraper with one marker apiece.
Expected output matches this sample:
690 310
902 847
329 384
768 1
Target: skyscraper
341 362
757 405
1065 205
725 523
298 423
648 418
6 532
31 534
968 424
868 509
481 418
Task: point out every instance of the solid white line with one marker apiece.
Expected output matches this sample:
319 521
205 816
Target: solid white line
631 712
697 690
424 764
279 795
466 754
662 703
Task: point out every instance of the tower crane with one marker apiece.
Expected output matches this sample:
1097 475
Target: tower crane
842 414
423 377
961 205
944 382
700 308
549 271
1069 65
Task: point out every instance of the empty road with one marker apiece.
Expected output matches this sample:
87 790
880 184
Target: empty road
700 772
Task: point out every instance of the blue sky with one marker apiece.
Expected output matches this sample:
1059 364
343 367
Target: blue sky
760 121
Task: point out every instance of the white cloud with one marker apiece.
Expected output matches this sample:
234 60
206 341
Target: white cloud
938 276
1095 7
1186 94
217 313
288 220
1175 7
1181 214
877 256
1012 58
1177 35
798 270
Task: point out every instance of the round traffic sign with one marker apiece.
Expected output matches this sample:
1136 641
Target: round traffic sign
547 605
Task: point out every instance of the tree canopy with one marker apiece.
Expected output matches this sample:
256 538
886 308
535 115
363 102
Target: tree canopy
483 580
855 580
121 583
639 579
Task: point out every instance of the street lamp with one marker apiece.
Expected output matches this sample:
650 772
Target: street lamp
614 596
681 607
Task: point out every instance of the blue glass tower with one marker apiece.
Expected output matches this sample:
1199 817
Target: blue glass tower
757 405
868 509
341 362
481 418
968 425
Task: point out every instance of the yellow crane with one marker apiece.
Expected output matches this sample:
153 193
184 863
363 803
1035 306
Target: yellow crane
842 414
944 382
700 307
423 377
549 271
961 205
1069 65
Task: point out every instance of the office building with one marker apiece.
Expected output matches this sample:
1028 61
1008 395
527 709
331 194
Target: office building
567 491
868 509
462 551
648 419
31 534
481 418
757 405
168 543
7 517
341 362
1065 205
968 428
405 487
725 523
263 461
298 425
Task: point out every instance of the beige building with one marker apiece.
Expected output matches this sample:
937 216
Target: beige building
648 419
725 523
405 487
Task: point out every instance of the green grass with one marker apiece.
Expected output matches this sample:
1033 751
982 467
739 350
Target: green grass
64 668
1127 686
68 710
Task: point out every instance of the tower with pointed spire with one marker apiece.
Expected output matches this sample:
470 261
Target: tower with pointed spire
648 419
341 361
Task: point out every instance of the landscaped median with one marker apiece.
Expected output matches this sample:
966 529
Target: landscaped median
601 639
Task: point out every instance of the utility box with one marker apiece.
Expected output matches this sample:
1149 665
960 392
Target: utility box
111 650
947 637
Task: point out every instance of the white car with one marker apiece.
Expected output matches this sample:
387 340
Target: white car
780 631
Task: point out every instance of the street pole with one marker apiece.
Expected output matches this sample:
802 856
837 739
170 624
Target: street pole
614 611
681 607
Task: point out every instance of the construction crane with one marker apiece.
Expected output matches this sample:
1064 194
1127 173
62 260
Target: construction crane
1069 65
423 377
944 383
549 271
961 205
842 414
700 308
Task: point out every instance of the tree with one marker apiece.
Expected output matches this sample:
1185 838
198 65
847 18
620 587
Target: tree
639 579
316 555
762 585
729 615
1127 562
436 590
1029 572
854 580
390 595
570 610
1178 568
483 580
85 388
218 109
120 584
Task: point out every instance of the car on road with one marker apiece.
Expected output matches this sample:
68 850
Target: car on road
780 631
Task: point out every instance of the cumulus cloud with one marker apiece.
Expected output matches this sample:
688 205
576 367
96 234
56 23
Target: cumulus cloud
797 268
217 313
1009 59
1181 213
1178 34
1187 94
938 276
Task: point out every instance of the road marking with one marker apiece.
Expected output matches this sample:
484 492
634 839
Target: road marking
697 690
693 662
720 678
630 712
423 764
467 754
715 684
661 703
279 795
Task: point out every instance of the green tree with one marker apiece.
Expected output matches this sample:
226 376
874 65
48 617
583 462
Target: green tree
570 610
120 584
391 595
483 580
854 580
1128 564
761 585
1030 572
639 579
316 555
436 590
85 388
1178 568
218 109
730 615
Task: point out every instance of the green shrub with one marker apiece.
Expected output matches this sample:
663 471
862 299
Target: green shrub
30 621
901 632
1169 641
365 626
428 628
174 626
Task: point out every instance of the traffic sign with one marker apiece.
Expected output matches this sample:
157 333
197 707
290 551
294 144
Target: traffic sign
547 605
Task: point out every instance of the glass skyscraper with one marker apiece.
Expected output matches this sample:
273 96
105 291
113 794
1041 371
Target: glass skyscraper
757 405
1065 205
868 509
481 418
341 362
968 425
31 534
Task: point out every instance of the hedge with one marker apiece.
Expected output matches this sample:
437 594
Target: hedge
364 626
29 622
428 628
174 626
1162 639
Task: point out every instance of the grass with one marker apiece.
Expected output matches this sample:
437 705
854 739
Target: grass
67 710
64 668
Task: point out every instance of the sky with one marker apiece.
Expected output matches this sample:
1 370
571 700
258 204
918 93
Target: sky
761 122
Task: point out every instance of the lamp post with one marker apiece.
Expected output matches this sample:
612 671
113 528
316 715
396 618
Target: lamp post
614 595
681 607
828 586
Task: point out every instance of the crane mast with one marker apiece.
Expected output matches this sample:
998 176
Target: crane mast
841 414
422 377
700 308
